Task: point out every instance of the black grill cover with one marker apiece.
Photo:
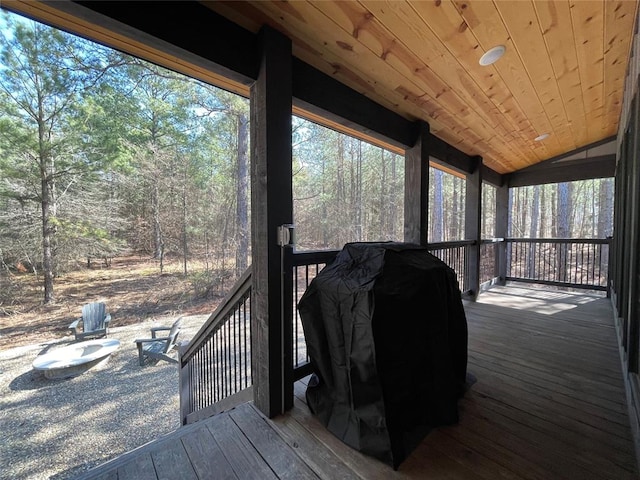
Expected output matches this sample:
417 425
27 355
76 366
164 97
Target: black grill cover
387 335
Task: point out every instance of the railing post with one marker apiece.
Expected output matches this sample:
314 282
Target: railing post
473 215
271 207
184 381
610 257
287 324
501 231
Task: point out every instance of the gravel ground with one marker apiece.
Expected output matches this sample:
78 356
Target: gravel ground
60 428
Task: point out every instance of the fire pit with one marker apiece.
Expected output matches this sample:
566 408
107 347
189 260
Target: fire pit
75 359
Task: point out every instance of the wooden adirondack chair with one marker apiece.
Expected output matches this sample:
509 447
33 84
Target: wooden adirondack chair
93 323
158 348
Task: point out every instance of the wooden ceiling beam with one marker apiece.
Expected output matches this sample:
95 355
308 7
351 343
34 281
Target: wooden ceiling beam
603 166
187 25
451 156
184 28
585 148
322 95
492 177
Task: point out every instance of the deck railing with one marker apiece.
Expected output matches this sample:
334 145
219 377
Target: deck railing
456 255
489 260
306 266
574 263
215 367
216 364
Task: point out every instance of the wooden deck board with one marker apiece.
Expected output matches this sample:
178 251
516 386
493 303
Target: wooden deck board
138 468
110 475
482 465
548 403
271 446
241 455
205 455
173 462
326 464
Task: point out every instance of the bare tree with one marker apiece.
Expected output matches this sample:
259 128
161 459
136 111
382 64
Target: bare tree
437 216
533 231
242 191
605 212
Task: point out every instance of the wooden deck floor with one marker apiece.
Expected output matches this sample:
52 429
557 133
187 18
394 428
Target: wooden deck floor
549 403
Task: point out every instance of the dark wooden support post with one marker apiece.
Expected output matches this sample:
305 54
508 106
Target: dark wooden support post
286 288
502 225
472 226
610 269
416 188
633 225
271 207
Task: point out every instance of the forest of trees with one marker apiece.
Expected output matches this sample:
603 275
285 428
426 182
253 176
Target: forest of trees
581 209
103 154
446 206
344 190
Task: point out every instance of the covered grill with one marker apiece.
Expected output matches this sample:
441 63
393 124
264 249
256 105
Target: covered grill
387 335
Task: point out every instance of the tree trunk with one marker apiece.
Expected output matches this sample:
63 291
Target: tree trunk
438 207
510 216
384 230
352 194
563 227
533 232
185 250
325 219
564 210
593 224
48 211
47 234
242 203
358 193
605 211
459 212
524 210
452 216
544 212
554 210
157 228
341 209
393 208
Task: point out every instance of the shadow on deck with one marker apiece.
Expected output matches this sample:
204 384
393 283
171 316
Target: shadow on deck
549 402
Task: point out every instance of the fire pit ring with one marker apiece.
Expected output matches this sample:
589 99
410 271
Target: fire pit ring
75 359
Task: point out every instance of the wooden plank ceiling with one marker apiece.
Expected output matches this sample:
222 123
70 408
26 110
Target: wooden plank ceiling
562 74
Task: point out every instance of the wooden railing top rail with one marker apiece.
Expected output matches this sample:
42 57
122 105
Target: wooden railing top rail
313 256
541 240
241 287
487 241
587 241
451 244
322 256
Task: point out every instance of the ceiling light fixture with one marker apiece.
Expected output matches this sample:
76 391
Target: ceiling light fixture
492 55
539 138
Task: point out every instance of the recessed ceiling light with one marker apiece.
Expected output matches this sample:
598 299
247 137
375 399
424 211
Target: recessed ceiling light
492 55
539 138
